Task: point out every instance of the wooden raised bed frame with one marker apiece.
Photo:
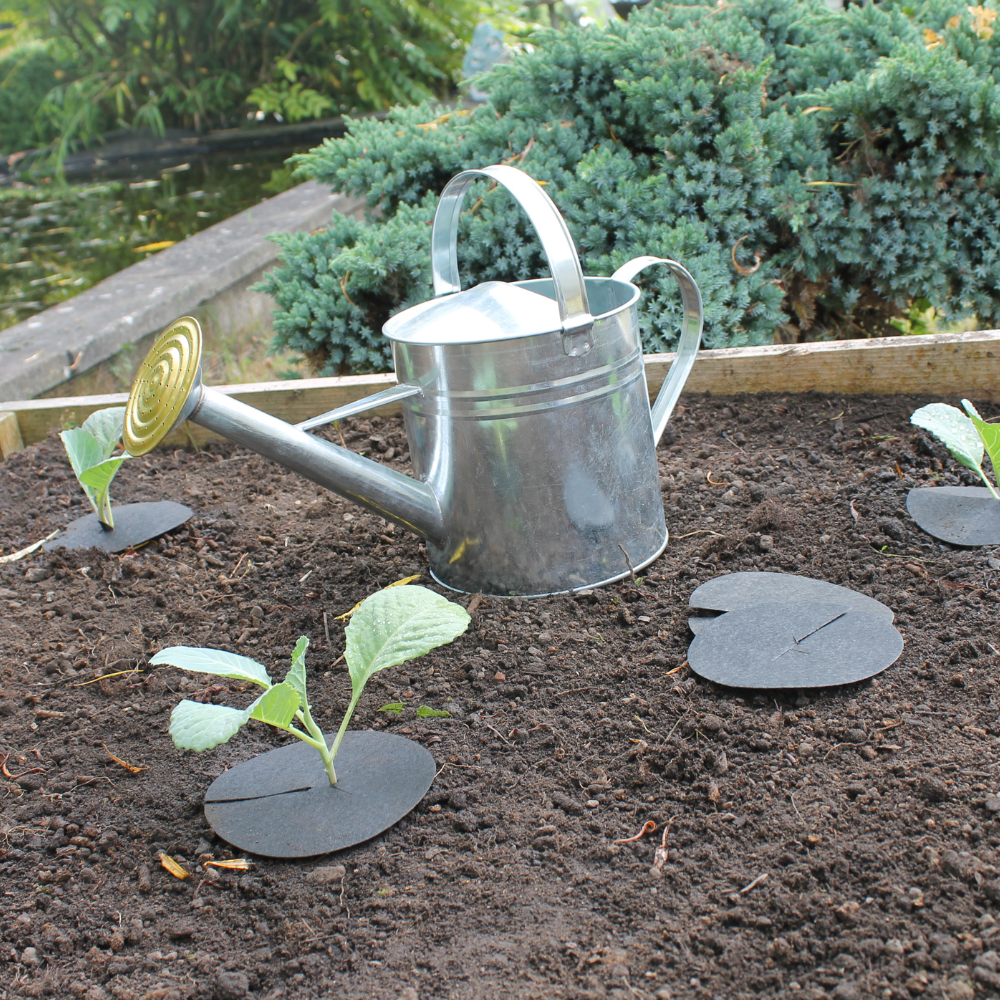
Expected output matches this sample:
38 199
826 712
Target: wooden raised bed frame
953 364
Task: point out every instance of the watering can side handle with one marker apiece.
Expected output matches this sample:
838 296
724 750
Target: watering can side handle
687 345
394 394
560 251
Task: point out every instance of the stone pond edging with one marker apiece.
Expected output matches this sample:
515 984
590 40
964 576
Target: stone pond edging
209 270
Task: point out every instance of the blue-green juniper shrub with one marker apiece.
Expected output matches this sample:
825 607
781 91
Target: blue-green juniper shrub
817 171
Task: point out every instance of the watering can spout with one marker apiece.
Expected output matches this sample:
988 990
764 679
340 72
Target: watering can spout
168 390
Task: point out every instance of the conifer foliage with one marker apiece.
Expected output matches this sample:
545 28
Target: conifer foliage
817 171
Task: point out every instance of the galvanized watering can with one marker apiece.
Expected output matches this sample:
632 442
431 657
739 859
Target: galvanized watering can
530 431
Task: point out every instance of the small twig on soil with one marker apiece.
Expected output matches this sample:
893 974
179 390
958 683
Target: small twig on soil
104 677
648 827
892 725
497 731
676 724
626 983
21 553
711 482
700 531
628 561
14 777
660 856
837 746
131 768
677 670
729 440
559 694
638 718
791 796
826 420
757 881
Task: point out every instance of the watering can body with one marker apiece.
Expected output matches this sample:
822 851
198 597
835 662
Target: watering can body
544 464
531 435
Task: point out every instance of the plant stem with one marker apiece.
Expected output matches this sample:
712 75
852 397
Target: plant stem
319 742
343 725
312 741
989 485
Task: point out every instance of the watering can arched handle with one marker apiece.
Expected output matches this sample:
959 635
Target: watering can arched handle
687 346
567 275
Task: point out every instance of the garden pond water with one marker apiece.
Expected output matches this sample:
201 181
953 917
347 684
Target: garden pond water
56 241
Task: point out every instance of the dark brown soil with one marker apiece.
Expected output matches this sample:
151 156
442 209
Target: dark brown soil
838 843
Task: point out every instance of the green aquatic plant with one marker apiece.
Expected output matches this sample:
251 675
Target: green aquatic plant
965 435
390 627
90 449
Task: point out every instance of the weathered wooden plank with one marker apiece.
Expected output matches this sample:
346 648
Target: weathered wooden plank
10 434
292 400
941 364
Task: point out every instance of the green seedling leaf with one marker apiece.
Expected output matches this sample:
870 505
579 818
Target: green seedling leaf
955 431
194 726
296 676
398 624
277 707
990 435
89 447
84 452
98 478
214 661
426 712
83 449
106 426
388 628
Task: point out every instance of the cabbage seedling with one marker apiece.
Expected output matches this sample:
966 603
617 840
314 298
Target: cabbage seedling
89 449
964 436
390 627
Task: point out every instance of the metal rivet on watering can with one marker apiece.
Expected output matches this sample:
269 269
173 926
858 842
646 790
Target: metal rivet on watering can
526 409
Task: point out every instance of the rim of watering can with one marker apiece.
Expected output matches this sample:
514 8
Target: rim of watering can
398 328
634 295
568 590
